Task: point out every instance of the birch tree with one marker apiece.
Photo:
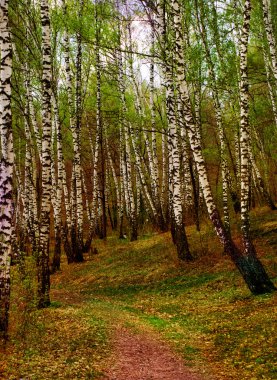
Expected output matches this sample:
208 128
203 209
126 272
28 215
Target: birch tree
125 143
99 128
74 228
247 262
43 250
270 35
218 112
178 228
6 167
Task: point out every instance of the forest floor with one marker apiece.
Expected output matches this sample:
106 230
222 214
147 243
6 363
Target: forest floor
135 312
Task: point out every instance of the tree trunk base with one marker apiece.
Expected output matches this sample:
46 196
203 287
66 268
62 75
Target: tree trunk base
255 275
134 231
56 263
181 243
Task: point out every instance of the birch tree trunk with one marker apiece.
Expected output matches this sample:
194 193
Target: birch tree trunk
57 206
122 184
95 193
116 183
77 230
245 168
6 168
248 264
247 159
153 200
175 199
102 179
141 176
30 208
197 89
272 93
76 223
164 191
43 252
155 180
125 144
261 183
270 35
186 177
218 113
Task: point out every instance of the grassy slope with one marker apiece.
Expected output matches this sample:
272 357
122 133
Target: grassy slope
202 309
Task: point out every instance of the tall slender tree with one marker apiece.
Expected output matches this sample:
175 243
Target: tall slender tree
247 262
6 167
125 140
178 228
44 238
270 35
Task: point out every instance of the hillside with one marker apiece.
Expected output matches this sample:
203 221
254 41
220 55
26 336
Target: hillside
201 311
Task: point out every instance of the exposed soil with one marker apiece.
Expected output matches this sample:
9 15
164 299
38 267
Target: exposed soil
142 357
137 355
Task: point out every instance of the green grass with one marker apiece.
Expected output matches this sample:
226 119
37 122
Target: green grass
202 309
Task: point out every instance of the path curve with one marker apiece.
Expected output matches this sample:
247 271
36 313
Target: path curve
142 357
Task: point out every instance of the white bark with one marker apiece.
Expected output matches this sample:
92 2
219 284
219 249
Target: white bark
164 191
270 35
218 112
155 179
30 191
175 190
76 133
141 176
272 93
6 166
187 190
125 141
95 194
43 254
245 166
76 206
192 130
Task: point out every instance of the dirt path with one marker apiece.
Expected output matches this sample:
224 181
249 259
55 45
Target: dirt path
142 357
136 355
